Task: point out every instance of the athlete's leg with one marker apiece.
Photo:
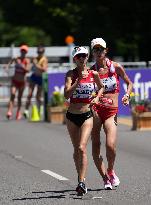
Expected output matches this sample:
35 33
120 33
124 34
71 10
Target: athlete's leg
74 132
30 93
20 94
85 133
110 128
79 137
11 101
38 96
96 146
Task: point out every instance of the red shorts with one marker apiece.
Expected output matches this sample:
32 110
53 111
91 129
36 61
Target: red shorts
18 84
105 112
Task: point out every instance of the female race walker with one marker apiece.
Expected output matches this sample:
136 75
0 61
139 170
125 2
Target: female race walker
40 65
105 113
22 66
80 89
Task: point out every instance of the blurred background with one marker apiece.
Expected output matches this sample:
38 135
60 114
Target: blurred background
124 25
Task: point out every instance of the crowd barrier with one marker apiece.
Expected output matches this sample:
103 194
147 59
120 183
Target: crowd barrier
141 86
140 78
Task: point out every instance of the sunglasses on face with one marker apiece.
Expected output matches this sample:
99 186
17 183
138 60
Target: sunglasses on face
83 55
23 51
99 49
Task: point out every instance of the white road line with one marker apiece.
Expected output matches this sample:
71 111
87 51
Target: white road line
97 197
53 174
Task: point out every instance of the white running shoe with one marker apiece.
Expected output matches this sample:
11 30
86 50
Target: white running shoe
107 185
113 178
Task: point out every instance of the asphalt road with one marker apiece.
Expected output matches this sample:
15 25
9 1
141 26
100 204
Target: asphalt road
27 148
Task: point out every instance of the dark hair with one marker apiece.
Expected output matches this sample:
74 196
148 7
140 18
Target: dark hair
41 48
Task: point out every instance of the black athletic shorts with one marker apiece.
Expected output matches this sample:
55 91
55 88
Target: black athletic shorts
79 119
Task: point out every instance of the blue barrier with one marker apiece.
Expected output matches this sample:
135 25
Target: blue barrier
141 79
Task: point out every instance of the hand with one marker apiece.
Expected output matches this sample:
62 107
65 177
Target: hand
77 80
35 61
23 65
5 66
6 69
101 96
125 100
84 74
95 101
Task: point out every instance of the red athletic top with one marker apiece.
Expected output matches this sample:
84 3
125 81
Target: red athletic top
19 65
85 89
110 79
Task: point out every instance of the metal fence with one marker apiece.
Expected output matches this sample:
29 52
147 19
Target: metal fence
5 77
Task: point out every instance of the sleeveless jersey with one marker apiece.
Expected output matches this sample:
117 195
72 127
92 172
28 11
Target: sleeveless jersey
19 65
40 62
110 79
85 89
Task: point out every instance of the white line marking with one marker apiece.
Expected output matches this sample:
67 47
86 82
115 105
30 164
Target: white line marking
97 197
53 174
18 157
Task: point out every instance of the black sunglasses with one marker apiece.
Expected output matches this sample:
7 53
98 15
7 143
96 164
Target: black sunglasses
98 49
83 55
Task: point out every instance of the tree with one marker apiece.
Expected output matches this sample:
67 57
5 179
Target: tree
124 25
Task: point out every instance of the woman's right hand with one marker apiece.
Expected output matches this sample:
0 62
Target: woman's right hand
84 74
5 67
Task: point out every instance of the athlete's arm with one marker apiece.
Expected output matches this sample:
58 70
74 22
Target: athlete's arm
100 87
121 72
27 67
44 65
7 66
69 87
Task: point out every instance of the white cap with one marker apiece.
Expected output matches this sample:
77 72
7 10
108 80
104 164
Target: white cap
98 41
78 50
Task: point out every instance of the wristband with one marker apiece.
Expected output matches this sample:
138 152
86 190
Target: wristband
127 95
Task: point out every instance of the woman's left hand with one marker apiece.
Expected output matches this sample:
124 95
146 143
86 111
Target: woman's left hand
125 100
95 101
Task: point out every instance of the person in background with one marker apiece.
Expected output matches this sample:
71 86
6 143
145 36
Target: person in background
22 66
105 113
80 86
40 65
